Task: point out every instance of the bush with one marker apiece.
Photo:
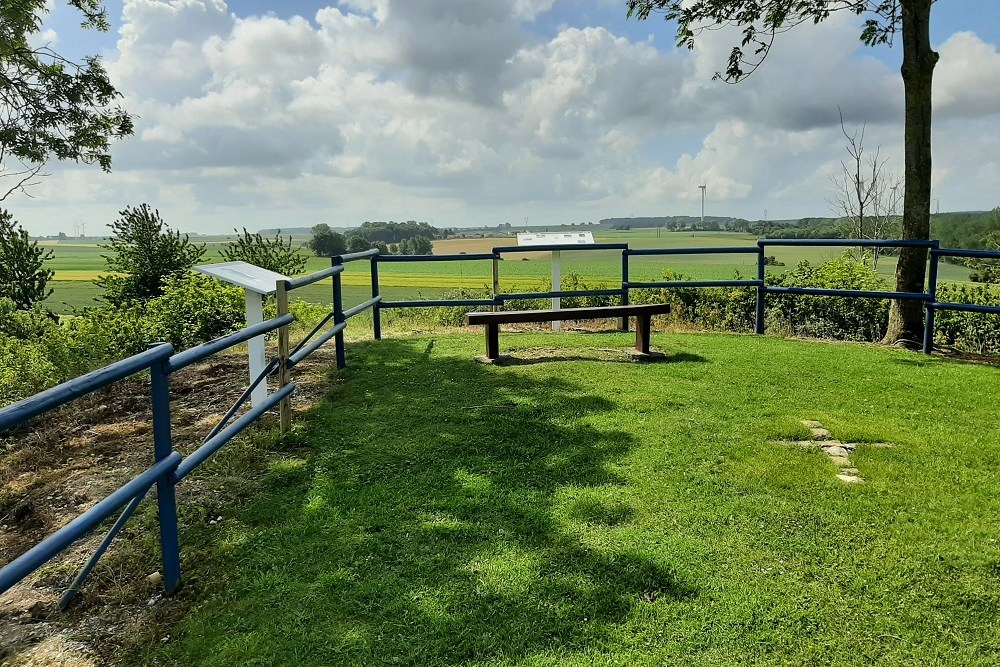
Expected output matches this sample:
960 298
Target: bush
144 254
274 254
25 369
23 276
735 308
830 316
973 332
193 309
36 352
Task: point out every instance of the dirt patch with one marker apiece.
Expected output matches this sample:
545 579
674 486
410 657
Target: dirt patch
58 466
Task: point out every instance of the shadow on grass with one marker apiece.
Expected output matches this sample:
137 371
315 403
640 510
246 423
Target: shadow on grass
431 525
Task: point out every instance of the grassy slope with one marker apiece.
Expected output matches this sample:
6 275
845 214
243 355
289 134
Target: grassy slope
592 512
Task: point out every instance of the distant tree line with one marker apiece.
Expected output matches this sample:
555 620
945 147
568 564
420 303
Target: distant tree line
390 238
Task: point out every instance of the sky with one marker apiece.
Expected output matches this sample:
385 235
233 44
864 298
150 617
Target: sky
481 112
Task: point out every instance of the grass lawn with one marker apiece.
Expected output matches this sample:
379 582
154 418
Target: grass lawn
577 509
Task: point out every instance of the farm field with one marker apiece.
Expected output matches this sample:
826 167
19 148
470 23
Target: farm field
77 264
565 510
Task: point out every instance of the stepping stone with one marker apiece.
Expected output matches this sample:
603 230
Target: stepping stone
821 434
794 443
836 450
841 461
811 423
850 479
851 471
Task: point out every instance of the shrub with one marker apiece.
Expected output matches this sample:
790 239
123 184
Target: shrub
25 369
36 352
274 254
193 309
830 316
23 276
145 254
734 308
973 332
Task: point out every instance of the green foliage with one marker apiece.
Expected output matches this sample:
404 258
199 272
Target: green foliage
828 316
146 254
274 254
734 308
357 243
396 232
327 243
987 271
37 352
24 369
760 20
53 107
23 276
974 332
417 245
192 309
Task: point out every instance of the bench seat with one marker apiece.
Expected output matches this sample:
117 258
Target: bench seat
492 321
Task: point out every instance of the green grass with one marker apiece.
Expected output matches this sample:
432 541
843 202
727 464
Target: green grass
77 264
572 510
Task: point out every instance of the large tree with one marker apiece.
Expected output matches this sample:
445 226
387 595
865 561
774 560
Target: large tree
51 106
761 21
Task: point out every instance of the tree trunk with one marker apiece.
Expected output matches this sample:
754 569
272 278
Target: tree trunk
906 318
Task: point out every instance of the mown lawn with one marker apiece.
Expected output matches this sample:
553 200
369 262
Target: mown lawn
577 509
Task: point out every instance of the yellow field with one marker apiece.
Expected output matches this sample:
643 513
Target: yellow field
456 246
413 280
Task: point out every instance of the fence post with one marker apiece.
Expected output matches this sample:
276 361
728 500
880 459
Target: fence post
338 313
284 373
761 289
932 279
625 286
166 499
376 311
496 278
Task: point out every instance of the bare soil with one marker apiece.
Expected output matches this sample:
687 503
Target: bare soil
59 465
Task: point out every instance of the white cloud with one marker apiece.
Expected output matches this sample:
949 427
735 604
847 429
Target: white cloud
459 111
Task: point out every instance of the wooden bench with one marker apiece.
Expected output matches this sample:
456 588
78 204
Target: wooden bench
642 314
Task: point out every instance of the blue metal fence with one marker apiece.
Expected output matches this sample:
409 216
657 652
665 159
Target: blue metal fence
498 299
170 467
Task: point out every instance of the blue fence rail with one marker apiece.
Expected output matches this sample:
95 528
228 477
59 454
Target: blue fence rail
498 299
170 468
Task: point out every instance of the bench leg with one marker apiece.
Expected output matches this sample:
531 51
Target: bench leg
642 326
492 341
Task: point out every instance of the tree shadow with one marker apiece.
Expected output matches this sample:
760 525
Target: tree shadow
431 526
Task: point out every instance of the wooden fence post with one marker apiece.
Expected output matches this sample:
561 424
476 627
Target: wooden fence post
284 373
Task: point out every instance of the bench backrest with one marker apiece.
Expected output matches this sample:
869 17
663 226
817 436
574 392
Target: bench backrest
594 313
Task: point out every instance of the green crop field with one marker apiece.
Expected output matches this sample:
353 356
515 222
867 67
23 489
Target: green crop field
572 508
77 264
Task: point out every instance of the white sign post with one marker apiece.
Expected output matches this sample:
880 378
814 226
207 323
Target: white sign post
256 283
556 285
560 238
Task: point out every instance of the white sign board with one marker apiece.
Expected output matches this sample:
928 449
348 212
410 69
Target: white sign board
557 238
244 275
256 283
